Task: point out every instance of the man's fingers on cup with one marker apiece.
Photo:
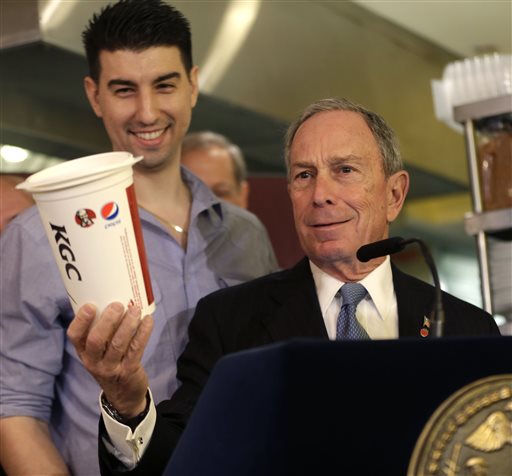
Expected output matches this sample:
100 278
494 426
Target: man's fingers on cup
140 340
103 331
79 328
120 341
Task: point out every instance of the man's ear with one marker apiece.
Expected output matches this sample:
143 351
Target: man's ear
194 83
244 193
397 188
91 90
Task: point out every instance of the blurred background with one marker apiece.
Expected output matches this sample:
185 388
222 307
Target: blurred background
261 63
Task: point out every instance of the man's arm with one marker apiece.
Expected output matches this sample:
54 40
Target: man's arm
31 352
204 349
26 447
111 349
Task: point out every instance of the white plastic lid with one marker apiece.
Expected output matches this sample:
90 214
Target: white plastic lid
77 171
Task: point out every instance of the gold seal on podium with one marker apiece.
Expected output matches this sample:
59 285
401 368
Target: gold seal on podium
469 434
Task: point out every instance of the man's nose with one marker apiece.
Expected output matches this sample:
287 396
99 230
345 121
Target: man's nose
147 108
324 190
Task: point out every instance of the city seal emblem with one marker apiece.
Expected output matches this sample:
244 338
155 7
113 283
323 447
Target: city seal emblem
469 434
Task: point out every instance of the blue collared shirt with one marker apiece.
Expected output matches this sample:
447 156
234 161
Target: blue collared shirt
41 375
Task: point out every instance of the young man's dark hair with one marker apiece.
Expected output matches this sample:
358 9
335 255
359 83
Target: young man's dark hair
136 25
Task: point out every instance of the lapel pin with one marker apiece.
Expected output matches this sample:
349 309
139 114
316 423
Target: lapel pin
425 329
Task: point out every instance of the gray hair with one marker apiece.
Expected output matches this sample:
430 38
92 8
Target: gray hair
207 139
384 135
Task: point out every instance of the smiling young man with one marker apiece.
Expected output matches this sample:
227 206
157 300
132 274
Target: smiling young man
347 184
145 99
143 86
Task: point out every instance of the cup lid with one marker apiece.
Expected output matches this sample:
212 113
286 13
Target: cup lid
78 171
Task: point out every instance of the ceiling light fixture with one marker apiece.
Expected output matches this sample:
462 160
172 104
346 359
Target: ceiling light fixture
13 154
235 26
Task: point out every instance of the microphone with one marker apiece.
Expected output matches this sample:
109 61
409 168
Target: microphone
396 244
380 248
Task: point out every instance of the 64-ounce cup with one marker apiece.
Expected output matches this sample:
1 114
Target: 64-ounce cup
90 215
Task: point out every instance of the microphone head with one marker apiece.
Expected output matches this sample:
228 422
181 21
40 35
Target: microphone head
380 248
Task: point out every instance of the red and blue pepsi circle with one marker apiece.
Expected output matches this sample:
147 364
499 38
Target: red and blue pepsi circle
109 211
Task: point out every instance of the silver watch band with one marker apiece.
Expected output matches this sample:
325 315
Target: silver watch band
113 413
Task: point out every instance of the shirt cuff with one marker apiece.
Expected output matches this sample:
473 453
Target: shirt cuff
126 445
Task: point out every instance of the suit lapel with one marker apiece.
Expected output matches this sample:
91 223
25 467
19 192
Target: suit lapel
413 306
297 312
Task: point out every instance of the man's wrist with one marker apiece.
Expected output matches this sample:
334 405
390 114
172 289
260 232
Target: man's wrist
132 422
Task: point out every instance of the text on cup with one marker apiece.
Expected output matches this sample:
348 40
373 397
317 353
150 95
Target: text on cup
65 251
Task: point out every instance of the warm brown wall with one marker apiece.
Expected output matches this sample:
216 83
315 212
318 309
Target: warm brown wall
269 200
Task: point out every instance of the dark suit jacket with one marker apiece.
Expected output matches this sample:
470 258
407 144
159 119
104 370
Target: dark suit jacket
274 308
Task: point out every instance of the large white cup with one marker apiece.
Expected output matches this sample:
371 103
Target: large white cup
90 215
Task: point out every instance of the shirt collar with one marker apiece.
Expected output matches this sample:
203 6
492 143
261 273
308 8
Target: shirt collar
379 284
326 286
203 200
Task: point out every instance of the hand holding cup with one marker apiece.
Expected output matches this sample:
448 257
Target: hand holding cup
111 350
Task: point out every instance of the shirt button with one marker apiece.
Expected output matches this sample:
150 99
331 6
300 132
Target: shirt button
141 441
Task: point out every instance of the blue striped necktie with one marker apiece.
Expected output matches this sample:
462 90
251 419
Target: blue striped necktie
347 326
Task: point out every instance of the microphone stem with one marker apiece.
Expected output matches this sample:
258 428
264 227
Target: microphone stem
438 318
393 245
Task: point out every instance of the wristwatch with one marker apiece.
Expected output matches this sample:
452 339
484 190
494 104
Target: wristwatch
131 422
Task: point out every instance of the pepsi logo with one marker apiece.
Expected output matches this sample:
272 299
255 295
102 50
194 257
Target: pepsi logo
110 210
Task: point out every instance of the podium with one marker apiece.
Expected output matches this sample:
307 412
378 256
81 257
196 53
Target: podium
306 407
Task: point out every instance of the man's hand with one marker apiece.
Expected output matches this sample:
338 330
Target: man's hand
111 350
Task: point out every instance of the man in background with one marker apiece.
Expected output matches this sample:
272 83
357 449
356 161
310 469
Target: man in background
143 85
12 201
219 163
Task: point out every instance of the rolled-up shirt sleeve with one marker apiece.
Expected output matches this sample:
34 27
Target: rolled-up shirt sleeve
33 311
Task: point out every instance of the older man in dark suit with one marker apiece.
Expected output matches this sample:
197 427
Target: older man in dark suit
347 184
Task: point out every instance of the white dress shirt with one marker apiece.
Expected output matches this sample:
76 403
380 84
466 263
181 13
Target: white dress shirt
377 312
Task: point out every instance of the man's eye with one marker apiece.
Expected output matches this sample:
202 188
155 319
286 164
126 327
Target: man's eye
346 169
222 193
303 175
123 91
166 87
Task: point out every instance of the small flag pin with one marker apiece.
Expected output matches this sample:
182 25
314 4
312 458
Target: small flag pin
425 330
